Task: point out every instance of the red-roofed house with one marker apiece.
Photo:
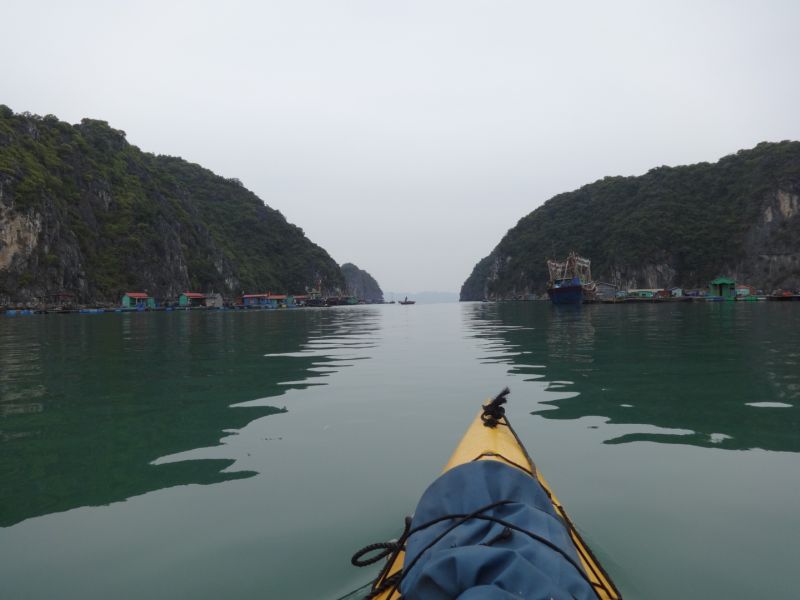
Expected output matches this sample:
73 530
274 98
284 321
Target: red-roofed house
254 299
743 290
192 299
137 300
281 301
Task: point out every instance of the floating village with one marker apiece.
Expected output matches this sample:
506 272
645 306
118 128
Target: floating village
66 303
570 282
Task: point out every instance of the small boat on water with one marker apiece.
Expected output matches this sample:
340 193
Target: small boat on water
407 301
570 280
783 296
490 527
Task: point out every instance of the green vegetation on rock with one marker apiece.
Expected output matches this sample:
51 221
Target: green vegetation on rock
681 225
84 211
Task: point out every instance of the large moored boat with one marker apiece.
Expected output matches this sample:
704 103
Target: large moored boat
570 280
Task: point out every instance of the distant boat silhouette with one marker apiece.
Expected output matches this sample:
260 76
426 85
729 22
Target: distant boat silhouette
407 301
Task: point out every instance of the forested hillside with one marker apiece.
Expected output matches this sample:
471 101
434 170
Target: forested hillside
680 225
84 211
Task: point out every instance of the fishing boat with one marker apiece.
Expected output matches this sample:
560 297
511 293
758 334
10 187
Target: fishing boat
490 527
570 280
407 301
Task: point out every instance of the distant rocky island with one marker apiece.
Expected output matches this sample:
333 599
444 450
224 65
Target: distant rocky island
673 226
361 284
85 213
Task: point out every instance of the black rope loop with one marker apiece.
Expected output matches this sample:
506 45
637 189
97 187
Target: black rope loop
389 550
386 548
494 411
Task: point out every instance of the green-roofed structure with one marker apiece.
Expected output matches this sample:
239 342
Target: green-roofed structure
724 287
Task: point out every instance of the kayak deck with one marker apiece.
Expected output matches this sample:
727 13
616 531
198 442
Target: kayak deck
499 442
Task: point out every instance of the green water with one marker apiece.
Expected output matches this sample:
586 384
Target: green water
248 454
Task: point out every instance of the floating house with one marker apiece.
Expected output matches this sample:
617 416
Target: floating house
254 300
723 287
214 300
605 291
676 292
192 299
276 300
643 293
281 300
61 299
137 300
268 300
745 291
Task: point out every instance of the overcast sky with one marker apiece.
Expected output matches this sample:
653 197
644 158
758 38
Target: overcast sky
409 136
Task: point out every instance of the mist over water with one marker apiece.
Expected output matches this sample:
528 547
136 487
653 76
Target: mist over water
231 454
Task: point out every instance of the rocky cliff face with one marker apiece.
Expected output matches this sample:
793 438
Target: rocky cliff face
83 211
361 284
682 226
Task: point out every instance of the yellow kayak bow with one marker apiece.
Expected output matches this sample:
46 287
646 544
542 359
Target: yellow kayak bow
490 437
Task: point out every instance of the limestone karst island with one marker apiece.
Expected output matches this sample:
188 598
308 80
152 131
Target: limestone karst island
90 222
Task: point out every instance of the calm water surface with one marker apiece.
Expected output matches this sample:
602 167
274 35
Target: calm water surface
248 454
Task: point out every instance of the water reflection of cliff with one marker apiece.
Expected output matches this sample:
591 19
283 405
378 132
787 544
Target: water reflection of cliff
115 392
701 370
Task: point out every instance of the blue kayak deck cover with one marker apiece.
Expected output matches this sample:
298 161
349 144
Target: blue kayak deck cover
483 559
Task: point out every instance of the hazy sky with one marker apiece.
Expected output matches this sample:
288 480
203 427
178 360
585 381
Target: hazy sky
409 136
